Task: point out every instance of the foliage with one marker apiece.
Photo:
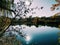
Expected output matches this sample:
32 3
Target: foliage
4 23
55 5
5 6
9 40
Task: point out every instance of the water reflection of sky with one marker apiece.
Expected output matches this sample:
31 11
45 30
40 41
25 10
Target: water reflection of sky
36 36
41 34
42 29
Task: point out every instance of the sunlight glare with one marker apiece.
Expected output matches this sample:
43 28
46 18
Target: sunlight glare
27 2
27 38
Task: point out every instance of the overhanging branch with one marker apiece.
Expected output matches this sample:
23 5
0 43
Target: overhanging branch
7 9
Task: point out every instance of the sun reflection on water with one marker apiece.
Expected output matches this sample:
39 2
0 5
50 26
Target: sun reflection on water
27 38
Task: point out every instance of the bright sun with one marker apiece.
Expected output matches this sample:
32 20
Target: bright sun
27 2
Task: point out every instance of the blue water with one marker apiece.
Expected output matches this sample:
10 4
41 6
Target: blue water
43 35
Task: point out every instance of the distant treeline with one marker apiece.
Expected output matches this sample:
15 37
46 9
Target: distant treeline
49 21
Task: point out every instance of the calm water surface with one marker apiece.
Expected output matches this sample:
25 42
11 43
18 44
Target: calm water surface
42 35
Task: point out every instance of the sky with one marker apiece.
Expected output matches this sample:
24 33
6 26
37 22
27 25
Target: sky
46 4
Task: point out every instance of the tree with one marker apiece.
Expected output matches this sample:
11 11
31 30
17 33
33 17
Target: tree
5 6
20 9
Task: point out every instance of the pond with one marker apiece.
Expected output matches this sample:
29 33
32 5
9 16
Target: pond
42 35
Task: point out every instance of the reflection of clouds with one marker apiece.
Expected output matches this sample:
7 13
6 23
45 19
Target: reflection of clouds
40 30
15 30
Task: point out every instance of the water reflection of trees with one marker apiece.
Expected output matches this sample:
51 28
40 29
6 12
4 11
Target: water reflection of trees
37 25
5 7
19 9
9 37
44 21
9 40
